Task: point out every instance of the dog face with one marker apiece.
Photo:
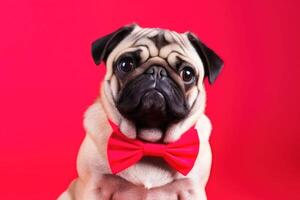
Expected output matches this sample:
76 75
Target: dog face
155 75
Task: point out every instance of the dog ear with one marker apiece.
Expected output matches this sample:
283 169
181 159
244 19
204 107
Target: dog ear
213 64
102 47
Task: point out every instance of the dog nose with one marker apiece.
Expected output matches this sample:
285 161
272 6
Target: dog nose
157 71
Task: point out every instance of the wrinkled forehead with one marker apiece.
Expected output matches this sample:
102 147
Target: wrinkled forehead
156 42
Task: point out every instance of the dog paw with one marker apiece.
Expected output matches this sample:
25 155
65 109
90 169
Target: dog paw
116 188
182 189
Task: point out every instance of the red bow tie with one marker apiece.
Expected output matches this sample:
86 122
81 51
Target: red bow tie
122 152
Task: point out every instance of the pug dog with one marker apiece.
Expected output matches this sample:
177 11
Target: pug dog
153 91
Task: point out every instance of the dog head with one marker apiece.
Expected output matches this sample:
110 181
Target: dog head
155 76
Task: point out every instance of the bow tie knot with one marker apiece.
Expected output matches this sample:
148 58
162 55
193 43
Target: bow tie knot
151 149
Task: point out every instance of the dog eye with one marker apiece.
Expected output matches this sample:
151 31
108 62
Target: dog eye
126 64
187 74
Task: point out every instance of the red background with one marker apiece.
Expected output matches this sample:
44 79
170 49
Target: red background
48 79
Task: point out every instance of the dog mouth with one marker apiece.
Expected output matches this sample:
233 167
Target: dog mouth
152 103
152 106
